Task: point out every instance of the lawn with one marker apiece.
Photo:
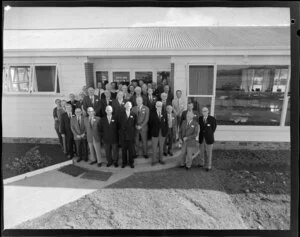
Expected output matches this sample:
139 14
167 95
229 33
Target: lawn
19 158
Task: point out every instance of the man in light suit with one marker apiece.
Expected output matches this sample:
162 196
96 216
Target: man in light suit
66 132
92 132
172 125
142 113
179 105
208 125
109 130
127 126
159 129
93 101
188 134
79 132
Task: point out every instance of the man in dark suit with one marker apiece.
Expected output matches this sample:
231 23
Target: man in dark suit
150 100
170 95
93 101
137 93
74 103
66 132
105 102
57 121
109 131
118 104
208 125
79 133
127 127
164 102
142 113
92 126
172 126
159 129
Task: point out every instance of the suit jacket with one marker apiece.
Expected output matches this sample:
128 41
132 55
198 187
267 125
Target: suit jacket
65 125
184 113
76 129
118 108
189 131
75 104
174 122
92 131
127 126
170 98
88 103
56 119
109 131
142 116
103 106
133 100
207 129
151 104
157 124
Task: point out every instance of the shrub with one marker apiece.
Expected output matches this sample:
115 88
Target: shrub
32 160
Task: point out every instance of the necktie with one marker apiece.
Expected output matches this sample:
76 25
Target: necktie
159 115
204 120
78 121
91 121
92 99
150 98
69 116
170 121
178 104
109 119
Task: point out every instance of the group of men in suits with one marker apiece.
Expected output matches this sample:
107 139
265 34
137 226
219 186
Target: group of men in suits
122 122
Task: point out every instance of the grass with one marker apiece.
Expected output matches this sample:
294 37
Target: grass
19 158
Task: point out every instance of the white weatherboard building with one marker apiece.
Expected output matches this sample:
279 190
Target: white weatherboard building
241 73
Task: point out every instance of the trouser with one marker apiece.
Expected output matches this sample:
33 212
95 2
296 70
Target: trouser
188 154
95 149
155 142
206 154
143 134
127 147
59 136
178 126
70 145
168 141
82 148
111 151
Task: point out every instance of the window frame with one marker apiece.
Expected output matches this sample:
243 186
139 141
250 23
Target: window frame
213 96
32 75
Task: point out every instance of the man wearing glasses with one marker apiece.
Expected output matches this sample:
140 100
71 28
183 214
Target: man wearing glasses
208 125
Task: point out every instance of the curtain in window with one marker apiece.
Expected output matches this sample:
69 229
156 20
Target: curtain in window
267 82
247 79
201 80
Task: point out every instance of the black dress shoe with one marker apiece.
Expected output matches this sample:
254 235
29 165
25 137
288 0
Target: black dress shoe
132 166
146 156
109 164
182 166
99 164
199 166
188 169
170 153
93 162
116 165
123 166
162 162
165 154
86 160
78 160
207 169
134 157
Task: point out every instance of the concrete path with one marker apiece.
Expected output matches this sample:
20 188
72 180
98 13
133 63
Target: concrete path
42 194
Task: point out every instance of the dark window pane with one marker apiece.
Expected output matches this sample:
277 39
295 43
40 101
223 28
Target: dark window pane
145 76
101 76
121 77
288 114
245 95
201 80
45 78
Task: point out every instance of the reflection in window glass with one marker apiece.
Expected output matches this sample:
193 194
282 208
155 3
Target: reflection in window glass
200 102
145 76
16 79
245 95
121 77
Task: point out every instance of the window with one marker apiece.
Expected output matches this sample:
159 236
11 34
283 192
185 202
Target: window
201 80
163 75
34 78
145 76
245 95
101 76
121 77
